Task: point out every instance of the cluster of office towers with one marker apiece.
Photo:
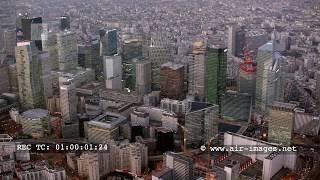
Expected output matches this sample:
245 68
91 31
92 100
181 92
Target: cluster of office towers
40 53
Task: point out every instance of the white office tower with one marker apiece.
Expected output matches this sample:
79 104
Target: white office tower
68 102
28 66
68 105
196 74
9 41
67 50
143 77
232 39
112 72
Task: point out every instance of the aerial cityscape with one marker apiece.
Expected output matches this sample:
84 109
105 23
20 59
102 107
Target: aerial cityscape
159 89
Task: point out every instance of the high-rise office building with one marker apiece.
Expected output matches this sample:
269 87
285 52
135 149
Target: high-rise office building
32 29
281 123
7 14
215 78
231 39
68 101
181 165
28 66
267 77
49 44
108 42
64 23
236 40
112 72
4 78
240 41
317 94
9 41
46 77
88 55
159 53
67 50
236 106
207 73
143 77
131 48
129 73
247 75
201 123
172 81
196 76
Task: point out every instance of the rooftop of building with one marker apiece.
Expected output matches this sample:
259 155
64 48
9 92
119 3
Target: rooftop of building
140 113
267 47
35 113
226 127
196 105
163 171
233 159
254 170
172 65
283 106
73 73
23 43
180 157
108 120
92 86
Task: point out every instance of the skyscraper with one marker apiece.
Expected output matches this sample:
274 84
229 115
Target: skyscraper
67 50
112 72
7 14
131 48
49 42
240 41
232 39
215 78
159 53
172 81
267 77
317 94
68 101
4 78
196 76
143 77
64 23
108 42
201 123
9 41
88 55
29 72
281 123
32 29
207 73
236 40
